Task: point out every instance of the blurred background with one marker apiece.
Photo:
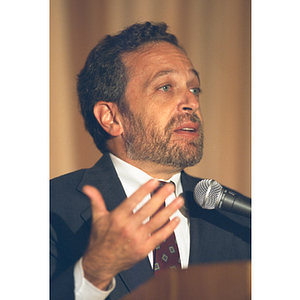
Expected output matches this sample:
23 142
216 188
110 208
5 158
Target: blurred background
217 37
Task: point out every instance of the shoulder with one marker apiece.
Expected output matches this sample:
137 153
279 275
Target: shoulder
67 185
64 187
66 181
66 200
66 196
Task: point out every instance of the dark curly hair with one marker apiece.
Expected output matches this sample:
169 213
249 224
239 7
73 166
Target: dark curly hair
104 77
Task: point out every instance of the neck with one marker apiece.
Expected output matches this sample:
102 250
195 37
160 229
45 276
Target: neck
155 170
152 169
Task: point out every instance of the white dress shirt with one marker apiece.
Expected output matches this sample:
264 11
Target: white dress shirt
132 178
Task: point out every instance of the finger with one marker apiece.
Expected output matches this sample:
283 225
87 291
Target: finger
97 203
163 233
152 206
128 205
163 216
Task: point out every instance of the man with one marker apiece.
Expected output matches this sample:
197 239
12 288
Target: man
139 97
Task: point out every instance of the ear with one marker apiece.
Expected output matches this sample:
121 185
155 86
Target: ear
109 117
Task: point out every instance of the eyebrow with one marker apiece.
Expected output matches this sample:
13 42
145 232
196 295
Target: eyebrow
166 72
196 73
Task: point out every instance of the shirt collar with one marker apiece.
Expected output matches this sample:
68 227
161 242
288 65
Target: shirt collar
132 178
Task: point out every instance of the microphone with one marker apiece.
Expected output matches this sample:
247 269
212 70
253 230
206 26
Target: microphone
209 194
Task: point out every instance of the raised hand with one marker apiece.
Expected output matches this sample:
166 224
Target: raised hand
119 239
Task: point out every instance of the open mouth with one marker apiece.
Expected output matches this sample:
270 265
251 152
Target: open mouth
188 128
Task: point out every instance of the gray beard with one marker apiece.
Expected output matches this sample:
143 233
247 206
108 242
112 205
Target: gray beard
145 142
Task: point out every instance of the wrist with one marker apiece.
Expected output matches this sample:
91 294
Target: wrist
99 279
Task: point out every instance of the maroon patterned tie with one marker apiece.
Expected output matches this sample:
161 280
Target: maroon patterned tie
166 255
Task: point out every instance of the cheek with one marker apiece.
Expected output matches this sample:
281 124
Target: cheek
152 111
133 97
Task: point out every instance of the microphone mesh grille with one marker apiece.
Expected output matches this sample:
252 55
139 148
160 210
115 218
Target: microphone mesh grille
207 193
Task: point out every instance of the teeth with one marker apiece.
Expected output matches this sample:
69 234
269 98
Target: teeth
187 129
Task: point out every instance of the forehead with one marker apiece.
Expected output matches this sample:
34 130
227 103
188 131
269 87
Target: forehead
158 58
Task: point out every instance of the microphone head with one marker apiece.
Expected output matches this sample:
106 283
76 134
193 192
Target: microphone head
207 193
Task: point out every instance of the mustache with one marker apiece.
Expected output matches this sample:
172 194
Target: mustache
180 119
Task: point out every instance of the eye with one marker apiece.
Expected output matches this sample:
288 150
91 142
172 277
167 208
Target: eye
195 91
165 88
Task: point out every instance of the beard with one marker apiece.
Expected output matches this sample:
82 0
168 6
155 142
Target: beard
145 141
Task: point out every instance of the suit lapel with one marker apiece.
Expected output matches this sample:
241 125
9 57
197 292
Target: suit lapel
103 176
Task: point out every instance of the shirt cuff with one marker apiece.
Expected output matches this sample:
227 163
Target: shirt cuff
85 289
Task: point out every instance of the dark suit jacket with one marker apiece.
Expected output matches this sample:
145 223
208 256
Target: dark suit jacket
215 236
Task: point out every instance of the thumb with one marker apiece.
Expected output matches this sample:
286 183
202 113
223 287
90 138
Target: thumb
97 203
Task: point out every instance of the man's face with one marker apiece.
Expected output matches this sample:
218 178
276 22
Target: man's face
163 123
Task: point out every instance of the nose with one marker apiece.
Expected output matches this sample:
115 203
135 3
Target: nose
188 103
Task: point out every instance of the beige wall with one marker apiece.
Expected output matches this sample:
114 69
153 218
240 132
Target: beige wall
216 35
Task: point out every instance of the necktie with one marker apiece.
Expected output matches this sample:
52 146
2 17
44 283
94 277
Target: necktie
166 255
